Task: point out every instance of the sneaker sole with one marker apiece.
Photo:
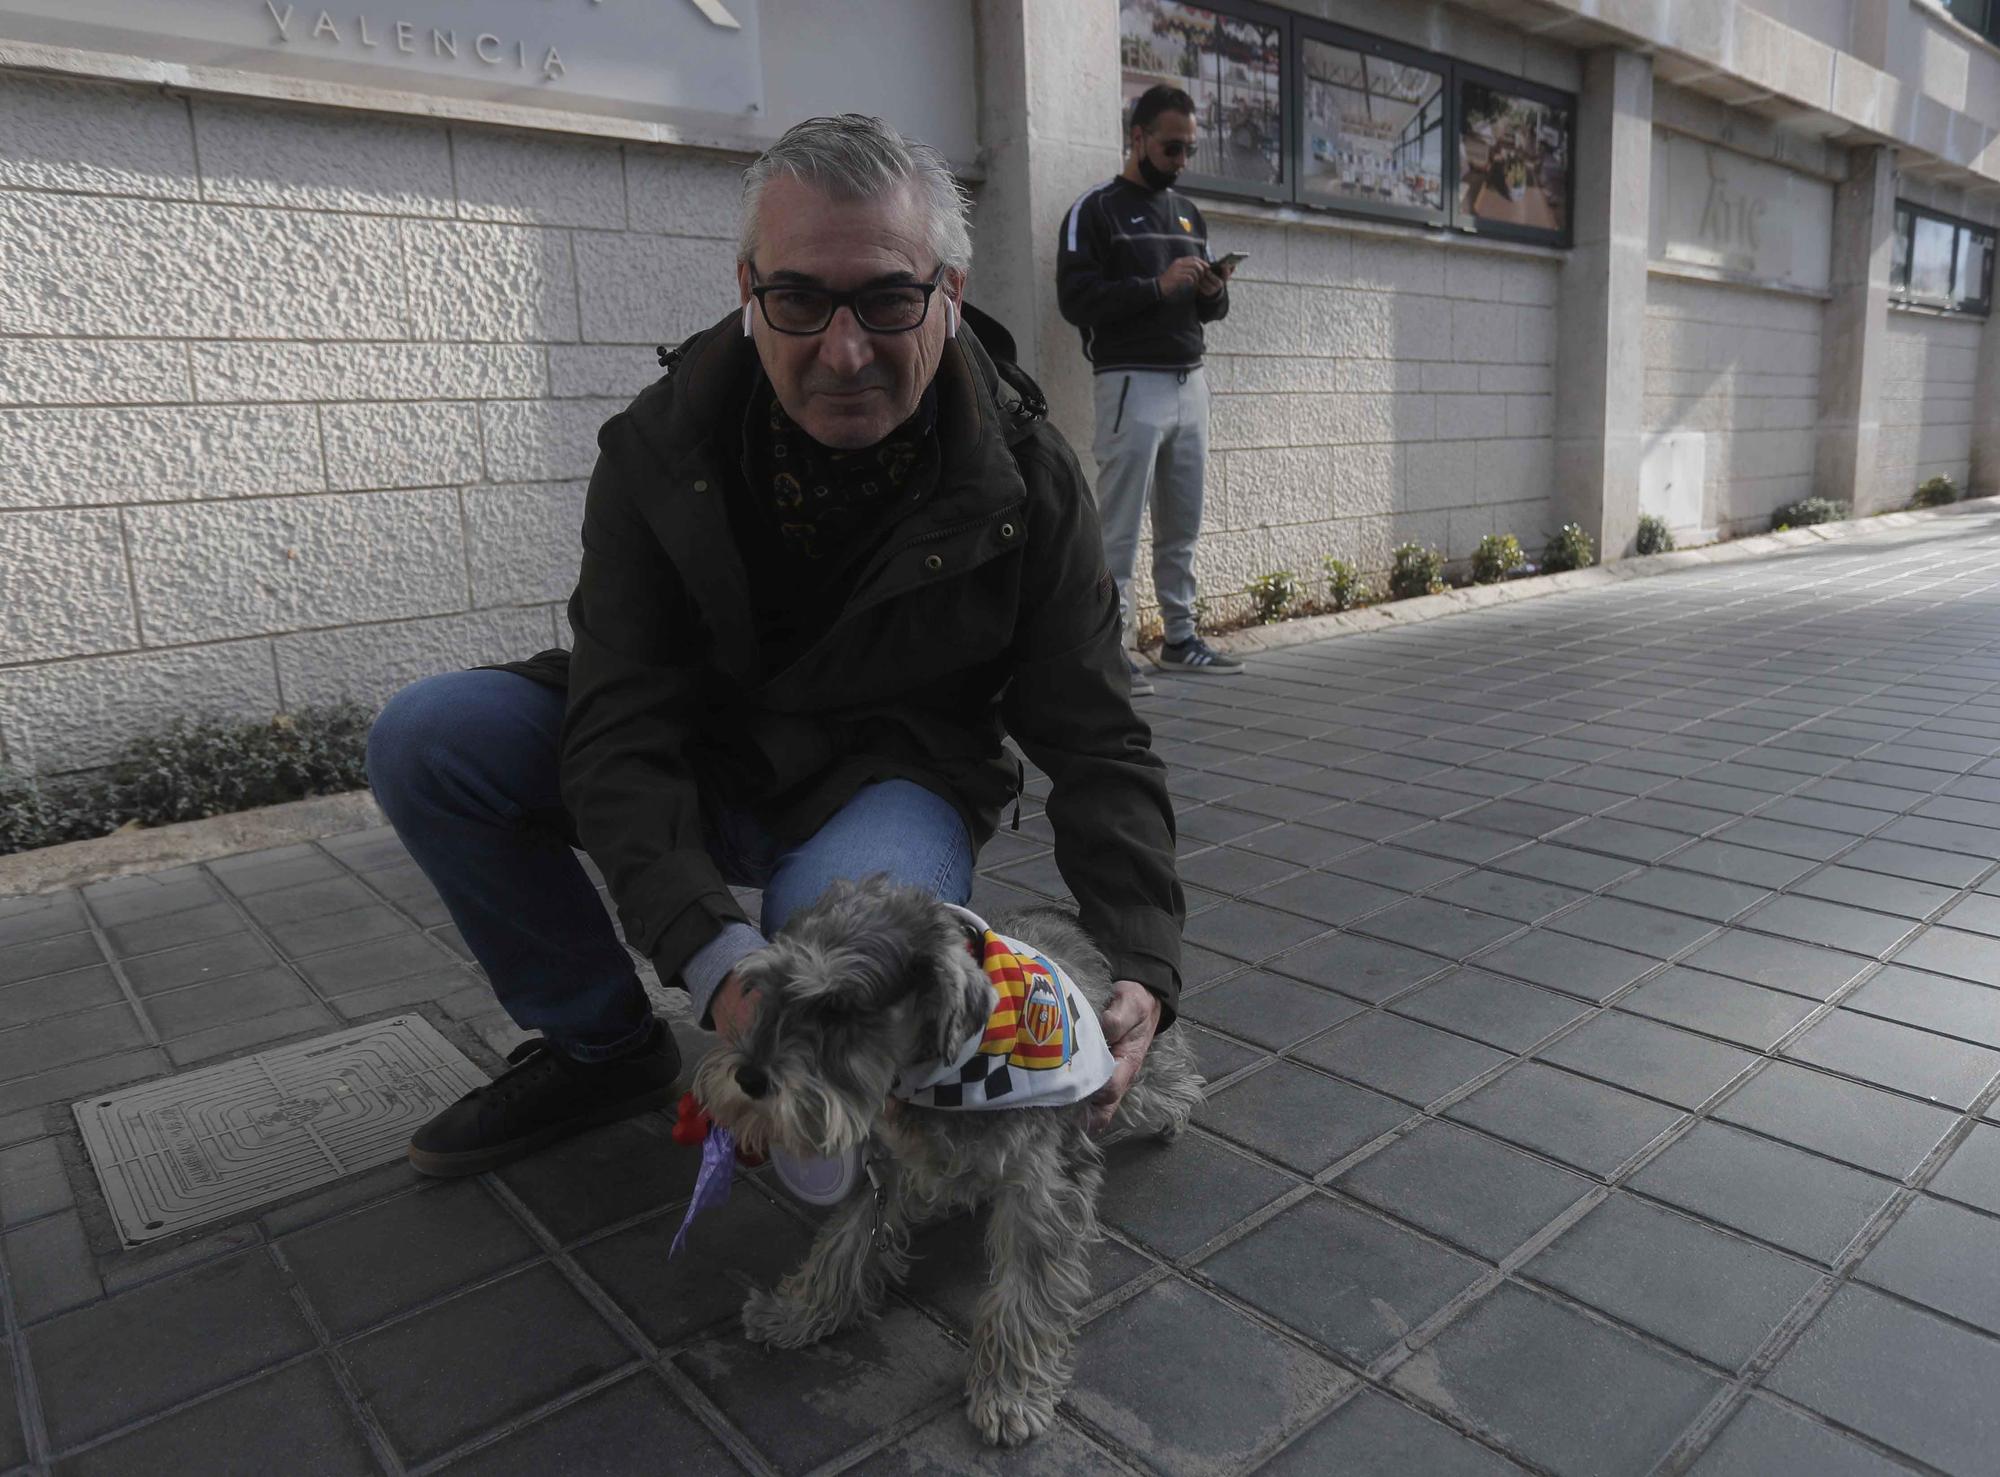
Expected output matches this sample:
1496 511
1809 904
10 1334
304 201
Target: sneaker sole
478 1161
1171 668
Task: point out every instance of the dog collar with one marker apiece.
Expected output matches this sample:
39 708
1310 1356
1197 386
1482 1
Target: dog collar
1040 1046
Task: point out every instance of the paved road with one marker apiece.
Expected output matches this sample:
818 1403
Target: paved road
1602 998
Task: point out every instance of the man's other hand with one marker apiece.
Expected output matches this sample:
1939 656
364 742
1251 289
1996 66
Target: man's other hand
1129 1023
1182 273
1213 278
732 1009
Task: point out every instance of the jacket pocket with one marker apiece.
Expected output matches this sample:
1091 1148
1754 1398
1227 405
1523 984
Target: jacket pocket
1119 419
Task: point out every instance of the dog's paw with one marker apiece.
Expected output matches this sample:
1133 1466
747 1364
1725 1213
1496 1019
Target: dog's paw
1008 1420
780 1322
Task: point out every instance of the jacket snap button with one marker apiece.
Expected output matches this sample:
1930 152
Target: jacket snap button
701 487
934 563
1006 530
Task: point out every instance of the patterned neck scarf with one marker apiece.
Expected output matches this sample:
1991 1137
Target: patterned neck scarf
817 499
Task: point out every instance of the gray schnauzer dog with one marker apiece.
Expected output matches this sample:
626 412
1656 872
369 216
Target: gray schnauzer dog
876 983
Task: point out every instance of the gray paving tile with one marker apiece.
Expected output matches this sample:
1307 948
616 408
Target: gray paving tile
604 1176
1590 971
1233 873
251 872
1972 1173
1459 841
1489 1008
195 925
57 955
299 1411
1915 863
149 895
1403 1058
1564 1392
1268 1009
33 1182
1177 1197
1373 1435
196 963
358 967
1837 925
1248 931
1622 839
51 1267
1549 862
619 1428
1920 1063
1301 1119
1979 913
1863 1126
58 994
242 997
1952 951
236 1313
1628 925
1367 969
1465 1187
235 1038
1941 1255
1874 890
314 936
1520 898
1782 964
1733 863
1307 845
1939 1409
1770 1190
1257 1389
1437 927
1217 1057
1933 1001
67 1039
1766 1439
445 1375
1647 1057
1569 1118
1715 1295
1394 867
1327 898
1710 898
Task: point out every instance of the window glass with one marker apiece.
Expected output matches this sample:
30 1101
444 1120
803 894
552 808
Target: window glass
1899 258
1975 13
1513 160
1374 130
1930 259
1231 67
1975 257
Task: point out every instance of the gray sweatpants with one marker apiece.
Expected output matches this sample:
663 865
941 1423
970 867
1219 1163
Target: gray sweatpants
1152 444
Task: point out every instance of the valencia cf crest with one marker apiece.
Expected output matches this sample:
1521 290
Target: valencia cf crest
1186 224
1041 1015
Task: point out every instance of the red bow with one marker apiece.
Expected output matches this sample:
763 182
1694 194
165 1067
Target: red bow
691 1126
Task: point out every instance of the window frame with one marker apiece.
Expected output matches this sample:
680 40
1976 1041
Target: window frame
1905 242
1294 30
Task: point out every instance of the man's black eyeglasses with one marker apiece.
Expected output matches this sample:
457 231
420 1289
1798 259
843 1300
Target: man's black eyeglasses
896 308
1179 148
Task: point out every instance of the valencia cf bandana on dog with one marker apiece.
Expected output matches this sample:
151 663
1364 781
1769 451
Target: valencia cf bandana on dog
1040 1046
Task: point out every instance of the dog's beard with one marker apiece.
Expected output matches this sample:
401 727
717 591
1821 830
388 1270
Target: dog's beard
801 1111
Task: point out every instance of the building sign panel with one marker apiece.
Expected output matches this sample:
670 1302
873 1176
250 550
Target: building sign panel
646 59
1725 211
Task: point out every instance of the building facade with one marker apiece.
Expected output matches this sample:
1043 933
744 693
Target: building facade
308 317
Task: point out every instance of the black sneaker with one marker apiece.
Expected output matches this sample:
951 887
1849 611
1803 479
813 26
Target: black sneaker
542 1097
1142 685
1196 656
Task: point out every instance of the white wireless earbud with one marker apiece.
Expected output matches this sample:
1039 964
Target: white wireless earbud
746 316
951 318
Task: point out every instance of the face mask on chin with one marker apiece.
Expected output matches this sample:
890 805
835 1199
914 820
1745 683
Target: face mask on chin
1155 177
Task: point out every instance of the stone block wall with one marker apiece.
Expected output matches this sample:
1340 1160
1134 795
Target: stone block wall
1741 368
297 404
1373 388
1927 400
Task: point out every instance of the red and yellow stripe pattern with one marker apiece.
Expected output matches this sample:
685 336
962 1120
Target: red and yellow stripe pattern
1027 1026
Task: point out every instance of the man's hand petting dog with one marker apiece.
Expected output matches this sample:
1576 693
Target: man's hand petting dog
732 1008
1129 1023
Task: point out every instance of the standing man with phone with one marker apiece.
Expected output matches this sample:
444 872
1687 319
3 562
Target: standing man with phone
1132 272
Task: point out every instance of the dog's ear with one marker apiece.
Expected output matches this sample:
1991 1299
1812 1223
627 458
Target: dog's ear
952 1001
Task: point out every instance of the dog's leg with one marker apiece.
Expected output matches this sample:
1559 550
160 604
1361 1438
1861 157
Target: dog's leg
1038 1241
844 1275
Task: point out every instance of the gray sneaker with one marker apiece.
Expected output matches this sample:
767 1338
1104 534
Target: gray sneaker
1142 685
1197 657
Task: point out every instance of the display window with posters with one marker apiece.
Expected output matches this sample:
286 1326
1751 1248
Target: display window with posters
1299 111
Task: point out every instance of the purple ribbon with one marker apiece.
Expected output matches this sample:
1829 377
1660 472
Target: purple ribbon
711 1186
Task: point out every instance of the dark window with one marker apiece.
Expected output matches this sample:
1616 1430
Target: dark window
1299 111
1982 15
1940 261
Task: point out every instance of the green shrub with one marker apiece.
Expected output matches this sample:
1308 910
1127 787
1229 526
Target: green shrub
1935 492
194 770
1806 512
1498 555
1344 589
1416 571
1571 548
1274 595
1654 535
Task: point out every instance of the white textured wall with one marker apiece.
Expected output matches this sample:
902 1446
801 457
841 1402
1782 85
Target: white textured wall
296 403
1741 367
1927 396
1372 389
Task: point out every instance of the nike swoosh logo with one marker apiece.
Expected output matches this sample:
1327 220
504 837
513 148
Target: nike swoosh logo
1138 220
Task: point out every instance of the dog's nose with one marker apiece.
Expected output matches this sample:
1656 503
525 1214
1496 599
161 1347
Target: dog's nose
753 1081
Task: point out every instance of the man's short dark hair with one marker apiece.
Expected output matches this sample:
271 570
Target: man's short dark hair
1157 99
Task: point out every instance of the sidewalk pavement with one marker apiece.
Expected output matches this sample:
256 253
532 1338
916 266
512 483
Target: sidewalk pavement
1601 997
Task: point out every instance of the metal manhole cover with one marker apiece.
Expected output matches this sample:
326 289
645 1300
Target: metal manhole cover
217 1142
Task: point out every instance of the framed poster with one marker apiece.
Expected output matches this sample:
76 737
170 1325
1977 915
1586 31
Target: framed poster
1372 124
1516 157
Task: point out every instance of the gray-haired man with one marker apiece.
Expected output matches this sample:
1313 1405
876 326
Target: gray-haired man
825 563
1132 272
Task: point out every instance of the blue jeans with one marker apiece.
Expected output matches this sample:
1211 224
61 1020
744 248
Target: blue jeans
465 767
